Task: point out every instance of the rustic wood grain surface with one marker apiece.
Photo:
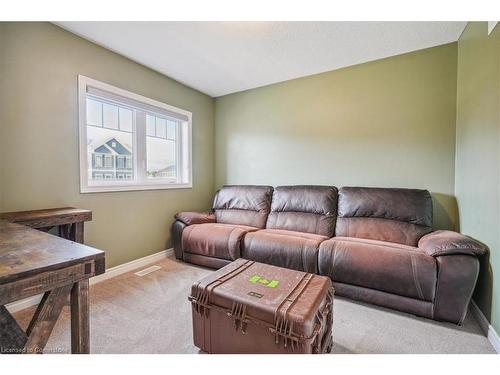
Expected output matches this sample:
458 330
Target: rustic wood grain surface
48 217
25 251
33 262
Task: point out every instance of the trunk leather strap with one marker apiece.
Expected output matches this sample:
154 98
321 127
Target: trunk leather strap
283 327
201 300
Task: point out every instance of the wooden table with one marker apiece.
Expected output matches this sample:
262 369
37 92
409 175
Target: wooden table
69 220
34 262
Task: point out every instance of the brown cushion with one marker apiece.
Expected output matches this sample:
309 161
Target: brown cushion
380 229
384 266
243 205
283 248
190 218
395 215
447 242
215 240
304 208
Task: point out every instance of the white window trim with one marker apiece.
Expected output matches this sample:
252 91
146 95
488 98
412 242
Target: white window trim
111 186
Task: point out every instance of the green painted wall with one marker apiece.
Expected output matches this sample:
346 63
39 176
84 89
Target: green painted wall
389 122
39 65
477 184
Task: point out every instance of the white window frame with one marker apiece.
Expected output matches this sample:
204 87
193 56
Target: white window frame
140 182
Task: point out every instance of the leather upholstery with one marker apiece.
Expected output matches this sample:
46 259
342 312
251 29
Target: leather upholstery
176 234
190 218
390 300
205 261
457 275
446 242
394 215
388 267
215 240
374 257
310 209
295 250
381 230
243 205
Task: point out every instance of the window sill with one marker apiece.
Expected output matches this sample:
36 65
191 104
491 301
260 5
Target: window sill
110 189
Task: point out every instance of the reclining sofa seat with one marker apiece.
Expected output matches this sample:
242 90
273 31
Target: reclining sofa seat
379 248
385 253
301 218
373 256
214 239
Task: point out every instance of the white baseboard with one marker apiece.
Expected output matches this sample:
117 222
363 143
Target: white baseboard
24 303
132 265
110 273
485 325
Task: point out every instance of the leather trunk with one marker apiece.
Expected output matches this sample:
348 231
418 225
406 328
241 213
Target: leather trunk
250 307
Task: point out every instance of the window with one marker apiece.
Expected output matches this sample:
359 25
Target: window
161 135
108 161
120 162
98 161
130 142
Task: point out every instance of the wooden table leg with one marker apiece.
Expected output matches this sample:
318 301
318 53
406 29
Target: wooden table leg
80 331
64 231
76 233
45 318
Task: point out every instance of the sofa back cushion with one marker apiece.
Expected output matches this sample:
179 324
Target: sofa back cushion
243 205
310 209
394 215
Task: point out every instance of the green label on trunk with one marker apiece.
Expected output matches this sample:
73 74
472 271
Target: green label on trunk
256 279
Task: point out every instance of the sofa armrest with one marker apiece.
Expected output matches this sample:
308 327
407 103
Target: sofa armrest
457 275
190 218
176 235
447 242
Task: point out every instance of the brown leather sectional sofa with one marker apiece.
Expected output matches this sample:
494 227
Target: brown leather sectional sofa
376 244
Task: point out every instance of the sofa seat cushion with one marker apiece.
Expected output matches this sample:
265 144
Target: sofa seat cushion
215 240
283 248
379 265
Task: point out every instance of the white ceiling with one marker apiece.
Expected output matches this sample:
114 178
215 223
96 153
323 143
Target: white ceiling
220 58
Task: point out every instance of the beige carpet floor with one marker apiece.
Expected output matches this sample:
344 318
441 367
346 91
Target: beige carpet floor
151 314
